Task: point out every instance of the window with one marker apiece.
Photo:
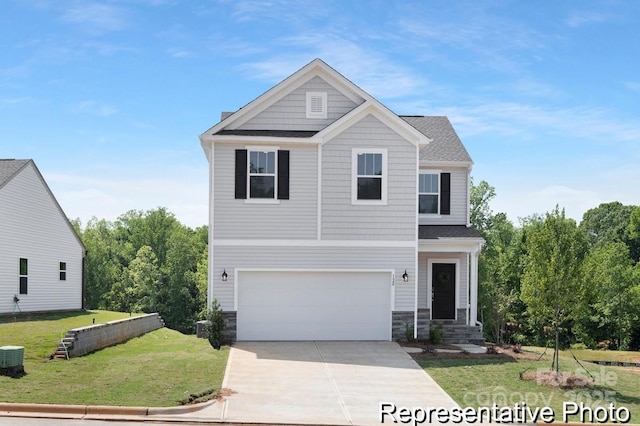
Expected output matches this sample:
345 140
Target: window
262 174
434 193
63 271
369 180
429 190
23 274
316 105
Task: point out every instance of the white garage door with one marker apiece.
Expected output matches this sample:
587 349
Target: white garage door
314 305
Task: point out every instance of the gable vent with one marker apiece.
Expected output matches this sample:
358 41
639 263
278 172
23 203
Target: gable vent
316 105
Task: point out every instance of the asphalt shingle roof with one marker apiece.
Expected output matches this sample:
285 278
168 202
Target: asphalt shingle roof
433 232
445 146
8 168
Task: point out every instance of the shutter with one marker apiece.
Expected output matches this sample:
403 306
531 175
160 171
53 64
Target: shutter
283 175
241 174
445 193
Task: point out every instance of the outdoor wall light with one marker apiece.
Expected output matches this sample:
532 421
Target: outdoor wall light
405 276
224 275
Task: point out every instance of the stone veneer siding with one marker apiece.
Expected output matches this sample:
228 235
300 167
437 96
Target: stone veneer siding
399 323
230 326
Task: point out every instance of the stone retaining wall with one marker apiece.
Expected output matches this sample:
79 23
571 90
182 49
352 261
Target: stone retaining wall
80 341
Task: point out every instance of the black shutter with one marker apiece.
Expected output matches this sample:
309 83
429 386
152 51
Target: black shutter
445 193
241 174
283 175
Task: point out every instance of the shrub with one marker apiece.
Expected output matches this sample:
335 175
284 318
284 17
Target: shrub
435 335
215 325
408 332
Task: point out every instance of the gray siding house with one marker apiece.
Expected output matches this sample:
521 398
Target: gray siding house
41 256
332 218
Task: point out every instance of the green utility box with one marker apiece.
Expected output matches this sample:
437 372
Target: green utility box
11 356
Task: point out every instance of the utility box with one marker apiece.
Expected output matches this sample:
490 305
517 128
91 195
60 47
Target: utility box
11 356
201 329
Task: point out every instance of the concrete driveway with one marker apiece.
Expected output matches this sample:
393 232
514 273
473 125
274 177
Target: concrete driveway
337 383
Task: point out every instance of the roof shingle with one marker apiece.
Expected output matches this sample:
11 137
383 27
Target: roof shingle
8 168
445 146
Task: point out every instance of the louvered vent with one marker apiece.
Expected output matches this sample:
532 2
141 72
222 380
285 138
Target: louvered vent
316 105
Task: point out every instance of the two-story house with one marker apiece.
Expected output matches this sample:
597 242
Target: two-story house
332 218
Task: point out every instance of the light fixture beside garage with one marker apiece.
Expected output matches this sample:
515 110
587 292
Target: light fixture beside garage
224 275
405 276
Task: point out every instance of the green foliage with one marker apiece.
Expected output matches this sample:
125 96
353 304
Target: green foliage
215 325
551 280
612 222
605 312
147 261
435 335
408 332
480 211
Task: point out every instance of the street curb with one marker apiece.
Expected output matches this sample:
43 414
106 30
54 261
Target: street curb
98 409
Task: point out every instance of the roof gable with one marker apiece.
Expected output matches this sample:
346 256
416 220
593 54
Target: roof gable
364 104
11 168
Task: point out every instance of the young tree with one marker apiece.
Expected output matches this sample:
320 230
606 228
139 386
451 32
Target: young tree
552 271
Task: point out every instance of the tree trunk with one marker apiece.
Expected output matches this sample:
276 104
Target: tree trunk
557 351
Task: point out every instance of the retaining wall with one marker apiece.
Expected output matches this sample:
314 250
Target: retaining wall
80 341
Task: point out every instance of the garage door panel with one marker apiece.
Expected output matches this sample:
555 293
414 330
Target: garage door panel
314 306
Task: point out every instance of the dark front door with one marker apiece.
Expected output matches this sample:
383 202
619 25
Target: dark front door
443 300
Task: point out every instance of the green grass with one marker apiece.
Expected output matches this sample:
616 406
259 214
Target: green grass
475 382
161 368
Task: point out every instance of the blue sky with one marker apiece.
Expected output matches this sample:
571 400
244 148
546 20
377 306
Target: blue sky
109 97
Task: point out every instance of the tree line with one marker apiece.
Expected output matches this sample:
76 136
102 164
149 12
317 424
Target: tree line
147 262
552 281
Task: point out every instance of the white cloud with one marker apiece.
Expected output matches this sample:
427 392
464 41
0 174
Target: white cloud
96 17
95 108
183 194
585 17
369 69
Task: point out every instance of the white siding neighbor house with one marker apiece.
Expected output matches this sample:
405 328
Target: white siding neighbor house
333 218
41 256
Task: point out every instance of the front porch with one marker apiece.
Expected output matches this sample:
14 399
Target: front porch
447 283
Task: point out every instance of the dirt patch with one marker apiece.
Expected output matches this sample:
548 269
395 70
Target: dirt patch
558 380
493 352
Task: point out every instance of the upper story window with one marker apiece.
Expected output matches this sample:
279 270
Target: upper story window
262 174
434 193
429 193
316 105
369 185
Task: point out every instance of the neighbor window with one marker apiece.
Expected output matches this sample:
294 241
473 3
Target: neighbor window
63 271
369 181
23 275
429 193
262 174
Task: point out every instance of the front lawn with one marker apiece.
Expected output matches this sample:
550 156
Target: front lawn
481 381
161 368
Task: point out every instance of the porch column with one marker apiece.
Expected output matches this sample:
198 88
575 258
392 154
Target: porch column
473 308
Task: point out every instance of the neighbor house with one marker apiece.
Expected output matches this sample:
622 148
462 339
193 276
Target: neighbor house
41 256
332 218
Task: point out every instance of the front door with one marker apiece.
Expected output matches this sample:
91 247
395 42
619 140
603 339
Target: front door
443 291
